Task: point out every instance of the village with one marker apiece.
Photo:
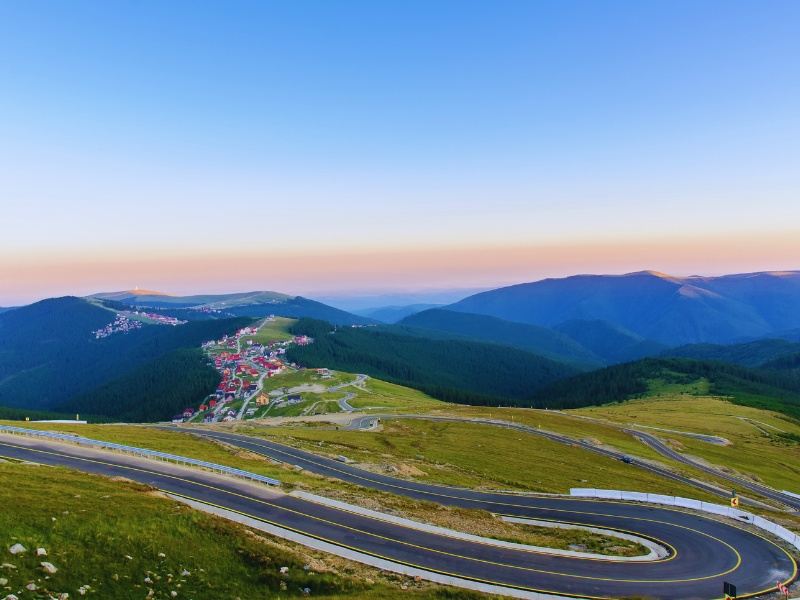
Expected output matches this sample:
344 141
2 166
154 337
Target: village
244 363
127 320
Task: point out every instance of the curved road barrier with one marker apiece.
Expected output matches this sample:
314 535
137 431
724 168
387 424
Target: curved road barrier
82 441
709 507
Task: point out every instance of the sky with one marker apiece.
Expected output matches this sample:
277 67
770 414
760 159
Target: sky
352 147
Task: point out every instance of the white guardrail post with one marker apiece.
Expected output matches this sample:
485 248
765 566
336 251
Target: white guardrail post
141 452
716 509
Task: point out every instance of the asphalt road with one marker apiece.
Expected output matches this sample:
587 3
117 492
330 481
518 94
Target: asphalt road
740 483
706 552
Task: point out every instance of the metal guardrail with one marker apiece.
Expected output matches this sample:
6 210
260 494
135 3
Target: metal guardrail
709 507
64 437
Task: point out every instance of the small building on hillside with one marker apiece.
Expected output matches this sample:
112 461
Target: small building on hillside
262 400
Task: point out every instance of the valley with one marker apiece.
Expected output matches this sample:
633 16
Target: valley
454 423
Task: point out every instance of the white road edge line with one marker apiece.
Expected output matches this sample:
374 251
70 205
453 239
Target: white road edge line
657 552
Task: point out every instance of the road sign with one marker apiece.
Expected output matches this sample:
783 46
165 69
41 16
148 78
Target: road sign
735 502
729 590
784 590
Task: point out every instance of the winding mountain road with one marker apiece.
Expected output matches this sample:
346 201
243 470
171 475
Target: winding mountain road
705 551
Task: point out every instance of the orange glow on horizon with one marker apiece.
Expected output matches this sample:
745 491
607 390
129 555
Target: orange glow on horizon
35 277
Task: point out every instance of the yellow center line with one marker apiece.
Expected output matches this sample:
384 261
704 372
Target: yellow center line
277 507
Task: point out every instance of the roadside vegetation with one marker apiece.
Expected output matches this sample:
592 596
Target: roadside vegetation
119 539
473 455
764 446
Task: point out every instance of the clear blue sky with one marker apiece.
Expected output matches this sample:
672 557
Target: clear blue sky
168 131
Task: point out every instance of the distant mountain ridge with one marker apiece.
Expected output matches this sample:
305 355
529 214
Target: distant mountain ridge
393 314
668 309
540 340
241 304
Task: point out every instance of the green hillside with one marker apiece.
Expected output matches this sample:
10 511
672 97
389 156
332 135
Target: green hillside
153 392
533 338
463 371
759 388
48 354
787 362
752 354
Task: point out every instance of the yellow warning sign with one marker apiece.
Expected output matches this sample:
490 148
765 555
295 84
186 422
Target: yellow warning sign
735 501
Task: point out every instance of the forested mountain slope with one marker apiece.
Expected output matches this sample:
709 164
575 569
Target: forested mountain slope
453 370
760 388
49 355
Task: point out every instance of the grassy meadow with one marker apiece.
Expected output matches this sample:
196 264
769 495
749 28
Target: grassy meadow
764 445
471 455
119 539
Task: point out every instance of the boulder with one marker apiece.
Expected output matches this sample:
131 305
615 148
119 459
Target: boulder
41 552
17 549
48 567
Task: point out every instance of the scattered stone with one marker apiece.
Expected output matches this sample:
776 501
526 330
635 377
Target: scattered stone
11 597
173 593
64 596
404 587
306 567
284 570
32 587
306 591
116 577
283 586
129 557
162 555
17 549
52 519
148 580
185 573
41 552
77 495
578 547
48 567
417 578
150 592
3 581
8 566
